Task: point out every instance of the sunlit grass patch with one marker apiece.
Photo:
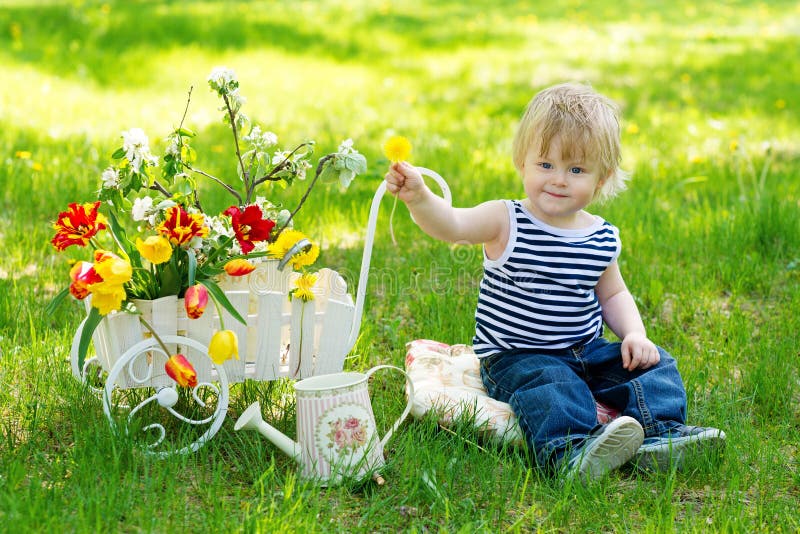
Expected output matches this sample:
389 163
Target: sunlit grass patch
710 228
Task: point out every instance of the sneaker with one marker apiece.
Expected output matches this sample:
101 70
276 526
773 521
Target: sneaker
613 446
662 452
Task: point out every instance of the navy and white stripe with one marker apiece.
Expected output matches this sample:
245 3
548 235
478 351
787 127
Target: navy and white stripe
540 292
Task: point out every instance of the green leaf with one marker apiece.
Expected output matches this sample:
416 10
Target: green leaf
346 177
118 153
186 132
56 302
89 326
329 174
170 277
218 295
355 162
122 239
192 266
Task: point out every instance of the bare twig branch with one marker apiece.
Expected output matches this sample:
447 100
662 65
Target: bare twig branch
160 188
279 166
232 118
228 188
186 109
320 166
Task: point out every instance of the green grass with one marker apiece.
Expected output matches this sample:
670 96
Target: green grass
711 251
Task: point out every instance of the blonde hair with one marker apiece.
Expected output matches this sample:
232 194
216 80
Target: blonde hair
586 123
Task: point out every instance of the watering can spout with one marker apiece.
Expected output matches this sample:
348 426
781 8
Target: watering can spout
251 420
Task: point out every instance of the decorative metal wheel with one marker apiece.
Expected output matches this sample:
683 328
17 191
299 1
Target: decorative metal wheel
168 418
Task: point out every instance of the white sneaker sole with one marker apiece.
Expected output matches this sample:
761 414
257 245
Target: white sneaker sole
671 452
614 447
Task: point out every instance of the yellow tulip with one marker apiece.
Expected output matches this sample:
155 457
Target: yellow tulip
107 297
155 249
111 268
223 346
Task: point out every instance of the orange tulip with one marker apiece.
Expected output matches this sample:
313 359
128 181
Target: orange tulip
181 371
239 267
195 300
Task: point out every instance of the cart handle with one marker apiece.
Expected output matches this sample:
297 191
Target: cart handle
368 243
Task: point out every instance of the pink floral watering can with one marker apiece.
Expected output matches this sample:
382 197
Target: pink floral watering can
336 433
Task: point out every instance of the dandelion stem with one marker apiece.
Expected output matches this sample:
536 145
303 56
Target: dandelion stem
391 221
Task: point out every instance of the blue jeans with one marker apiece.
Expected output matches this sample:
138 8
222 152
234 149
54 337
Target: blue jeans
553 393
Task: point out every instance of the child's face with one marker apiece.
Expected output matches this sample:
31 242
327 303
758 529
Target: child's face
558 189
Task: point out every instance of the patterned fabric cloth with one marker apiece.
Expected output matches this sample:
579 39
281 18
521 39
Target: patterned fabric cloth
447 379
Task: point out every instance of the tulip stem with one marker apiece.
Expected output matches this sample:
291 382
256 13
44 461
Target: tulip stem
219 313
155 335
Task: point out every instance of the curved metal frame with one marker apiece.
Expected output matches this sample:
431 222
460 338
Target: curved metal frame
152 346
369 241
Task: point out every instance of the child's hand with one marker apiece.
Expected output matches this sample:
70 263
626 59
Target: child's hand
405 182
638 352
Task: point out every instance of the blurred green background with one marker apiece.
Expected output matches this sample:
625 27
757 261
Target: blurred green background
710 228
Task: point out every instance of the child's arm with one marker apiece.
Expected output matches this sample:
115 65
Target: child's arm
622 316
486 223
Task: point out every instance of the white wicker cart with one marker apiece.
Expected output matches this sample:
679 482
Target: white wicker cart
282 338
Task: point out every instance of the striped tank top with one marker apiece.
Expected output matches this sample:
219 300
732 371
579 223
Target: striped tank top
540 292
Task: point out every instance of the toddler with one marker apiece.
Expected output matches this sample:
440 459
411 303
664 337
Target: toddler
551 279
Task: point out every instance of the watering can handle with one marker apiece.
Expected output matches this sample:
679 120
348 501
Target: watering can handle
369 240
408 405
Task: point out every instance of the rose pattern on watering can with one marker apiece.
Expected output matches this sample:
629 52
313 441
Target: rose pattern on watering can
337 436
347 434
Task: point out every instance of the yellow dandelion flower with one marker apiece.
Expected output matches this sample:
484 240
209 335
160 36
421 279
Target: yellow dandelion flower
397 148
22 154
303 287
734 145
305 258
286 240
632 129
780 103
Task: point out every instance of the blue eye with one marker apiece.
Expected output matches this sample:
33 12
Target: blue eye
576 170
546 165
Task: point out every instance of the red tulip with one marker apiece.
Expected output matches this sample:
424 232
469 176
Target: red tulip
181 371
195 300
77 225
249 225
181 227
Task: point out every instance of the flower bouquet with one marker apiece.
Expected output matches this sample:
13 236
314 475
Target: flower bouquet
150 237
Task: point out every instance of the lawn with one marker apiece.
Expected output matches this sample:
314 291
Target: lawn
710 228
